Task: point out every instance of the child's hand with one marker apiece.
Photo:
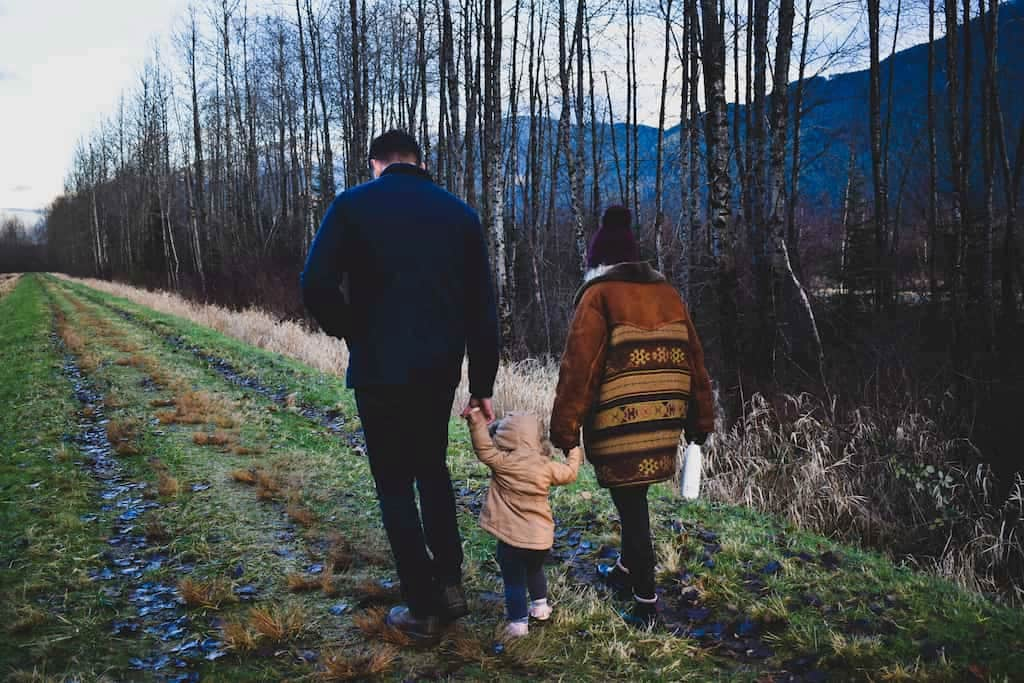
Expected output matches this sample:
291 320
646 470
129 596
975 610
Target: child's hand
475 416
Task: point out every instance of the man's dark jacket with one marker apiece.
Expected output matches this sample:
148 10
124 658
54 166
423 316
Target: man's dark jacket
413 262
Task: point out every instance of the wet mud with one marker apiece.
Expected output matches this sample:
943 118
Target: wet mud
150 610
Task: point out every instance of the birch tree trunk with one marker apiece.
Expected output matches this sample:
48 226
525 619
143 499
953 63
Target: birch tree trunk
659 178
720 221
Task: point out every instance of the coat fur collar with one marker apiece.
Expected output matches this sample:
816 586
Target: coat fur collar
635 271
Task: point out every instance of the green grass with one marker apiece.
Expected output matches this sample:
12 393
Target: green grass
48 609
866 619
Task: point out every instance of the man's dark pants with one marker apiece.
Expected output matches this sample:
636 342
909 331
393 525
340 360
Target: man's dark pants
406 432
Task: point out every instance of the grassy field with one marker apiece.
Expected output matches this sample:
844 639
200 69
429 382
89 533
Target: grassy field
178 505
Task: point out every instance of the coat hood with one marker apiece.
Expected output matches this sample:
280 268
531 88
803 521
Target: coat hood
518 431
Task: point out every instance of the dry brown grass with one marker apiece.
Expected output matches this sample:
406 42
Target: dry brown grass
123 434
372 591
62 453
469 648
341 666
342 555
8 281
252 326
339 553
71 339
300 583
167 486
193 407
278 624
371 623
224 421
328 584
521 386
123 345
876 477
197 407
373 556
301 514
244 476
238 636
205 594
267 487
219 439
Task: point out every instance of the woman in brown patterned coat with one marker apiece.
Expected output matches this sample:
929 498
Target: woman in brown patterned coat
633 378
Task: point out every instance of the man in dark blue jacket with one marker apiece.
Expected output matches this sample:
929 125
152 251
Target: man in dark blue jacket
399 270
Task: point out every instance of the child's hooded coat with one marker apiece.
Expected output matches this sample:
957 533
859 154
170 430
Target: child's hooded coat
516 509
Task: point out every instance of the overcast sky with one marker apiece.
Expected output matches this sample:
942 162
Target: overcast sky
64 64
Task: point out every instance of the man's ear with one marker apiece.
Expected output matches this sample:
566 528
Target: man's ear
423 165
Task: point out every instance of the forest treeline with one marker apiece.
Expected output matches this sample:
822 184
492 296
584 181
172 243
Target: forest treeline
211 175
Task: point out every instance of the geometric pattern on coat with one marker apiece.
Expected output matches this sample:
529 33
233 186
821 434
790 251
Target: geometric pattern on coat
632 434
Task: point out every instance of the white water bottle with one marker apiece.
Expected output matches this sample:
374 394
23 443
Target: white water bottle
691 472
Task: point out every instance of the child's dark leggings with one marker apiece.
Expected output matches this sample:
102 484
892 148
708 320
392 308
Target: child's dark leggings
521 570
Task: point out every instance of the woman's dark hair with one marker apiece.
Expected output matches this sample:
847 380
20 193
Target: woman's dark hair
394 145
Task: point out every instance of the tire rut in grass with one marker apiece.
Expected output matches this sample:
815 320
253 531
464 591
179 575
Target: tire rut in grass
333 420
315 558
153 608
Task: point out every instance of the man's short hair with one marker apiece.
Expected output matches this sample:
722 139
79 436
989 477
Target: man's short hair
394 145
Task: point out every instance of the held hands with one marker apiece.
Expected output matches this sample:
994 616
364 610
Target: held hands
482 407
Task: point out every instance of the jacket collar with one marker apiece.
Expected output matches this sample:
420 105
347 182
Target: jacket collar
400 168
634 271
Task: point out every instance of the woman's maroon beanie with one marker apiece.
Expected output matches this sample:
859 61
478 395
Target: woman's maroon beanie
613 242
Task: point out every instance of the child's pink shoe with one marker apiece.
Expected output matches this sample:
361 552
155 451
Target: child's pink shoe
540 610
514 630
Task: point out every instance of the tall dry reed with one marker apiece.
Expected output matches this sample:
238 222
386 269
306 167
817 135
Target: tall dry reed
892 481
252 325
522 386
8 281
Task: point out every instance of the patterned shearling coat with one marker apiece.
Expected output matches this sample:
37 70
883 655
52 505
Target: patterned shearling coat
632 376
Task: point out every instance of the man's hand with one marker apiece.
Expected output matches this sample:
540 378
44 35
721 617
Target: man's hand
483 404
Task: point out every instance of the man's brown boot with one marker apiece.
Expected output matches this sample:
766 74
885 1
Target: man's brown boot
417 628
453 602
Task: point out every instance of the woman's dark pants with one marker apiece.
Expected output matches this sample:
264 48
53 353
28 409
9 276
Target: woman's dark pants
637 549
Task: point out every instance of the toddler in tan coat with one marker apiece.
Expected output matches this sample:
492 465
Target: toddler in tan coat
516 510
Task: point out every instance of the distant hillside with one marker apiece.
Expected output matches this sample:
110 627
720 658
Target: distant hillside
836 121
